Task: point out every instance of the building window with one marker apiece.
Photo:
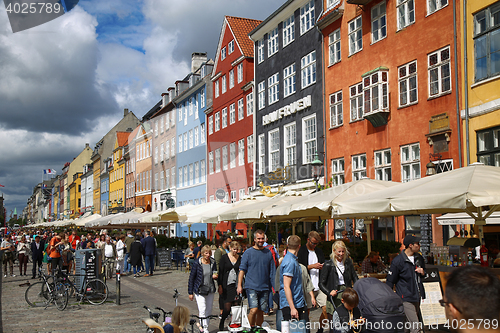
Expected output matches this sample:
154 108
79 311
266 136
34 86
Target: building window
262 155
375 92
196 136
250 104
232 155
224 118
191 175
274 149
202 99
191 105
273 88
410 162
241 152
379 24
488 146
407 75
196 172
224 158
307 17
217 121
239 70
185 141
230 47
241 193
439 72
180 113
223 53
383 165
172 148
191 139
334 47
355 35
487 42
356 99
167 149
180 143
288 30
262 94
202 170
211 162
290 144
217 88
308 69
231 78
186 179
162 152
289 80
309 138
250 148
241 111
338 177
406 13
272 42
358 167
217 160
202 133
156 155
435 5
260 51
336 116
210 124
172 170
232 114
180 177
223 84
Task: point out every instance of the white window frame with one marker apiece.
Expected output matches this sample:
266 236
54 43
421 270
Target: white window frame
307 18
186 179
334 47
191 174
179 139
216 88
439 73
435 5
231 78
274 149
224 158
355 35
308 69
202 133
338 175
162 152
223 84
336 110
224 118
356 102
241 152
202 98
262 155
217 122
379 22
290 143
241 194
382 160
191 139
309 140
358 163
250 147
273 88
262 94
185 137
223 53
181 181
210 125
241 109
156 155
172 147
249 103
202 171
230 47
408 84
376 92
405 13
272 42
239 74
232 114
289 81
410 162
288 30
232 155
260 50
167 149
211 162
196 136
217 160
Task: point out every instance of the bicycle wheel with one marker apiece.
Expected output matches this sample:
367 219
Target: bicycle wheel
60 294
35 295
96 291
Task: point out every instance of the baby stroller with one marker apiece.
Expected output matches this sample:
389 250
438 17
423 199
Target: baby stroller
380 306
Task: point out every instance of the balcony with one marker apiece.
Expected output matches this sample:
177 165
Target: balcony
376 96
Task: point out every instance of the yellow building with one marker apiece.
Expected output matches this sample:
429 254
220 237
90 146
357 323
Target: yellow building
96 161
75 190
481 92
117 175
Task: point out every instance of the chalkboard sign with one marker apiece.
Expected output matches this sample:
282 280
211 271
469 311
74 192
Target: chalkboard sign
425 233
164 257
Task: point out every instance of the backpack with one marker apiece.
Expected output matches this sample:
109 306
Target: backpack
273 252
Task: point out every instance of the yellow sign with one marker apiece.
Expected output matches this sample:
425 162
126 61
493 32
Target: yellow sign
266 190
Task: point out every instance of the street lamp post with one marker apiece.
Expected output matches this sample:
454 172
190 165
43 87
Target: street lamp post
316 165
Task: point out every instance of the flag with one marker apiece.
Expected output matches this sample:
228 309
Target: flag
49 172
1 185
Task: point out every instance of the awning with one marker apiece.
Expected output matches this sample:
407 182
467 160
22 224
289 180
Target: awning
464 218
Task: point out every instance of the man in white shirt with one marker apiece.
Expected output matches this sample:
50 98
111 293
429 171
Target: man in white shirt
109 256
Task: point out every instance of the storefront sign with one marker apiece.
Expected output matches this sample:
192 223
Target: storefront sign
220 194
439 123
288 110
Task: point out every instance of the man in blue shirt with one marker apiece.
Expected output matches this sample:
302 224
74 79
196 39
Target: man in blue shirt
257 266
149 245
292 301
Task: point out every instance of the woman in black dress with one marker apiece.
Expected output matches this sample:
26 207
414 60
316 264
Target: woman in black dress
136 253
229 267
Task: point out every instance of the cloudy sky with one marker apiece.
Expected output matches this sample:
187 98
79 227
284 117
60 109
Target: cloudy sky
65 83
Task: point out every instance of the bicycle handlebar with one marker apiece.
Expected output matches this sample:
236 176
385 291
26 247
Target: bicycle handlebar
202 318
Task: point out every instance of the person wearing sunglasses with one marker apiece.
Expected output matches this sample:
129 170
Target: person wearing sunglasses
472 300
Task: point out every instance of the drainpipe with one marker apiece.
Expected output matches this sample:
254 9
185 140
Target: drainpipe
457 97
467 143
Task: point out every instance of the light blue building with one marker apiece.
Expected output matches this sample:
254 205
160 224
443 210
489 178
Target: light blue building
193 97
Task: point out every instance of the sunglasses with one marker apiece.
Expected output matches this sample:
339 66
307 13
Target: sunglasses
443 303
313 243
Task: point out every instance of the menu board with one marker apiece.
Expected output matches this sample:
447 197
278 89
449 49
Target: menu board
432 312
164 257
425 233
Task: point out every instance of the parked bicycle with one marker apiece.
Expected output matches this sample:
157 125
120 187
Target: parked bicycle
45 292
153 323
194 322
94 290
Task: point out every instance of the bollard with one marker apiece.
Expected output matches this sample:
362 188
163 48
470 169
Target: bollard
117 287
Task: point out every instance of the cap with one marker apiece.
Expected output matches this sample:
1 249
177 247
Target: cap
410 239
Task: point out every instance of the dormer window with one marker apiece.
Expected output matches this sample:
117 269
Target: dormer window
223 53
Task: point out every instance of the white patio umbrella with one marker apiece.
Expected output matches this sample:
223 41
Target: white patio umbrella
100 222
464 218
81 221
474 189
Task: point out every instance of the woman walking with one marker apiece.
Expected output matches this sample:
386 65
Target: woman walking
8 249
22 255
136 253
229 267
201 284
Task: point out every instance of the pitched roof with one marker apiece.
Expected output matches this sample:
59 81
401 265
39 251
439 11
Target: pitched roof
122 138
241 27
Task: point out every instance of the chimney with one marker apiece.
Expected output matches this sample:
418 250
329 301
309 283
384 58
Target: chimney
164 99
125 112
197 58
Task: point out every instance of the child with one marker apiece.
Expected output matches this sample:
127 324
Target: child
347 317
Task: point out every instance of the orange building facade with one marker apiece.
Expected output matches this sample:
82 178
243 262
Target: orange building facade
390 97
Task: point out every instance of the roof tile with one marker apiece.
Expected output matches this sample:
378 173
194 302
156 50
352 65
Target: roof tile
241 27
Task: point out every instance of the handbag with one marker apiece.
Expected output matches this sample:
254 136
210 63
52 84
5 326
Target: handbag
204 290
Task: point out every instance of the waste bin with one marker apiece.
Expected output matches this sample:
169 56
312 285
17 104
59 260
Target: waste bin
87 258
